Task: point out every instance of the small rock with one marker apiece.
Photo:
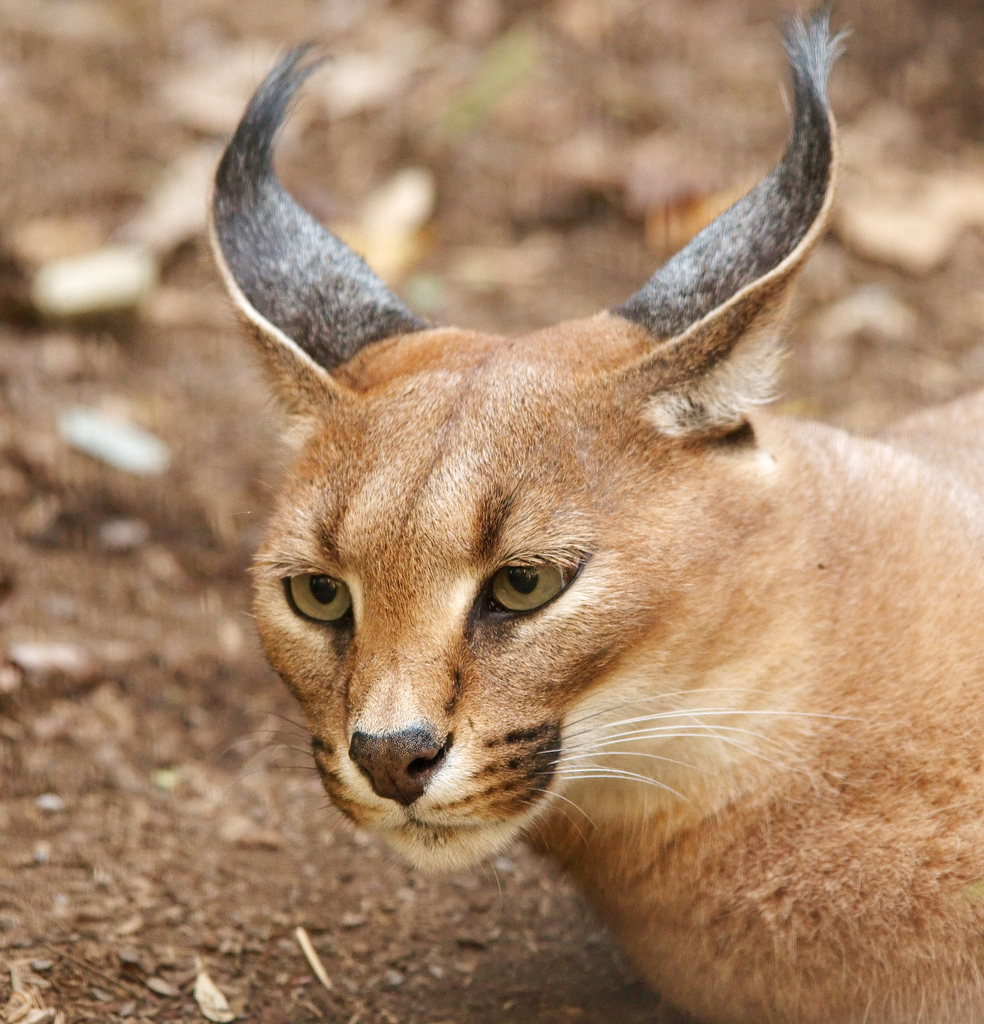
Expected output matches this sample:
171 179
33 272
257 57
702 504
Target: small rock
41 966
123 534
128 1008
130 957
467 966
350 920
162 987
114 440
50 803
256 838
394 978
104 281
162 564
42 853
50 658
130 926
167 779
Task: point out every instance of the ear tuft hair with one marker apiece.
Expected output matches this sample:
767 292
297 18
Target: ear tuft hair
723 397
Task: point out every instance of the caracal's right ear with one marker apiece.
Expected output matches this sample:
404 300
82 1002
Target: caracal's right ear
713 310
310 301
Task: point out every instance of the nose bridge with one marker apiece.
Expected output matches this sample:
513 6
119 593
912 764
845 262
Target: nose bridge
407 645
399 681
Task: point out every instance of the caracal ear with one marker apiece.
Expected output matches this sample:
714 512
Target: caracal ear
715 307
310 301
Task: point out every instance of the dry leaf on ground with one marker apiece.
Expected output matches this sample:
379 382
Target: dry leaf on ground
211 1001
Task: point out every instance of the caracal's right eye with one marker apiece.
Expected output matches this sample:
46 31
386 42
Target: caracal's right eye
319 597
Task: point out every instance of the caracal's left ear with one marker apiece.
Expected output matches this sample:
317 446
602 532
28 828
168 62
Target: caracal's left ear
713 310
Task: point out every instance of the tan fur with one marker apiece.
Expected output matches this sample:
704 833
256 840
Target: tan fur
750 728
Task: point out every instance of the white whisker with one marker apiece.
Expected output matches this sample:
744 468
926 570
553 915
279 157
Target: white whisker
630 753
671 732
638 699
577 807
600 772
686 713
560 796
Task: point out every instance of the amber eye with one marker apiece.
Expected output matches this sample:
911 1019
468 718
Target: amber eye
521 588
319 597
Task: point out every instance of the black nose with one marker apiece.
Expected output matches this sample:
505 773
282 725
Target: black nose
399 765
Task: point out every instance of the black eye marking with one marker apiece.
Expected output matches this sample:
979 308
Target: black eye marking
491 517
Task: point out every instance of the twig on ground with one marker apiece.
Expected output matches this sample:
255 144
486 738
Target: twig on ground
311 955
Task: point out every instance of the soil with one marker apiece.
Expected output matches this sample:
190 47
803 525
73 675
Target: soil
158 808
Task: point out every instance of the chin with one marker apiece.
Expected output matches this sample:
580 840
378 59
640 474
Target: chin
438 848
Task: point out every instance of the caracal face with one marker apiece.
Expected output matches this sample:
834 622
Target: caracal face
416 494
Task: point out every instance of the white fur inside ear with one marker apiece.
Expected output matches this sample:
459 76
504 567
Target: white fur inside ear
725 395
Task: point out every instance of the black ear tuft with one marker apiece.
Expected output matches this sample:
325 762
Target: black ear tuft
289 271
761 230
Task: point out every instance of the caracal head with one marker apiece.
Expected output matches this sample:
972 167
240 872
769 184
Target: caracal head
479 533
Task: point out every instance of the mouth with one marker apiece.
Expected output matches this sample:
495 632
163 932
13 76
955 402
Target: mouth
455 824
438 847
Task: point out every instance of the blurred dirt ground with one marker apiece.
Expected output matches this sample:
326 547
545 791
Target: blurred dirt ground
157 805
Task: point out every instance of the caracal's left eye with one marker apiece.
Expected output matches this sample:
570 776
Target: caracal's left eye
521 588
319 597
